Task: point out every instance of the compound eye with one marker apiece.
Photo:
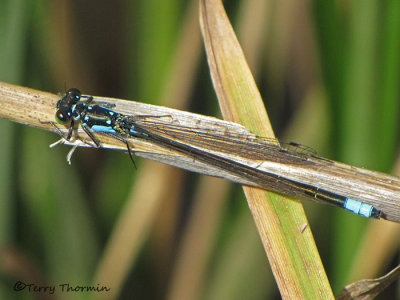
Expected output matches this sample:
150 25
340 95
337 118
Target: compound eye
61 118
74 94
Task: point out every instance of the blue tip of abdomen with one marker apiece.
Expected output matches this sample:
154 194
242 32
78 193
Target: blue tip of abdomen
358 207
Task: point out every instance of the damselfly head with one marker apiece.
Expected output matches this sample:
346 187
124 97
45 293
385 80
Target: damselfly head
65 105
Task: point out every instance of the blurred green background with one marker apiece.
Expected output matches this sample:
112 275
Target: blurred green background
328 72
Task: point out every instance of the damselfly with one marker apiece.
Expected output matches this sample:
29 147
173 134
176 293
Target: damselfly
201 145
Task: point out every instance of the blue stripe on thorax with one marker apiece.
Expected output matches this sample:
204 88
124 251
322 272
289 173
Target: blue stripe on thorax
101 128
